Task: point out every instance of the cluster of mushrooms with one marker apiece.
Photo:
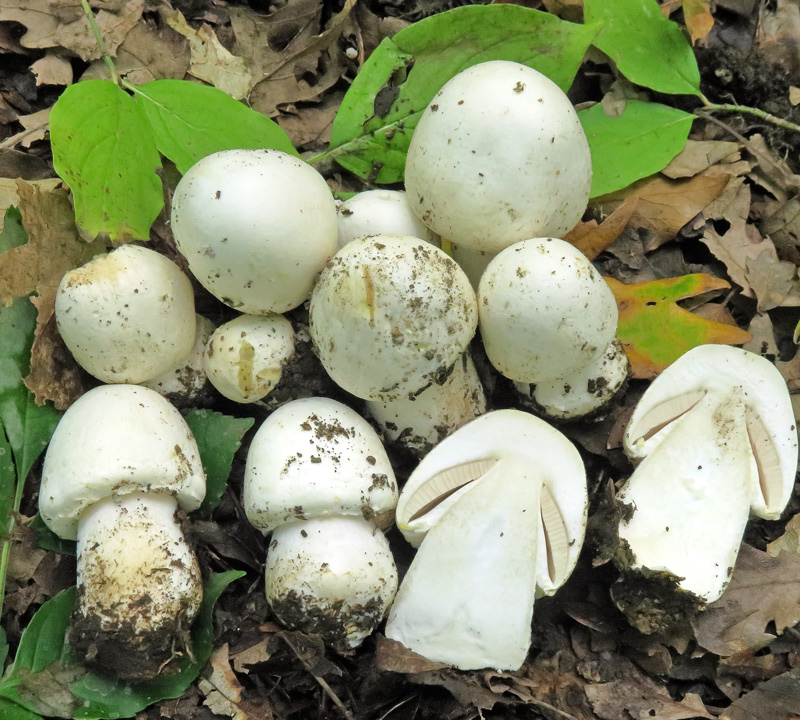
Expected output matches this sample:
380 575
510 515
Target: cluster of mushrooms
497 505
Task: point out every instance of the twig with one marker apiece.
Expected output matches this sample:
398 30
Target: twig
710 107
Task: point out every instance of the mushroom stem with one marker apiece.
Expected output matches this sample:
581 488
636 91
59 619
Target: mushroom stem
139 583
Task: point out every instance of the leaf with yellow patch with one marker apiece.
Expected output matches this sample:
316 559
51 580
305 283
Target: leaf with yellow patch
656 331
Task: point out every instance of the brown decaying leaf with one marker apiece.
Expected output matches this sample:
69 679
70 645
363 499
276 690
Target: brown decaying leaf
763 589
36 126
762 341
222 689
9 196
310 126
52 69
698 18
592 238
776 699
291 57
699 155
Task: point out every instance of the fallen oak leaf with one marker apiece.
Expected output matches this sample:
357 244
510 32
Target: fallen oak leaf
776 699
698 18
655 331
591 237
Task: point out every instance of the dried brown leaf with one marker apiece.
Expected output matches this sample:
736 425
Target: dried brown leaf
698 18
40 25
592 238
762 341
774 282
310 126
789 542
36 126
52 69
763 589
776 699
258 653
698 155
9 196
222 689
74 32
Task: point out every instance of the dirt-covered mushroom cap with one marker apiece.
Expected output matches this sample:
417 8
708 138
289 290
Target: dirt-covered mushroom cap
127 316
500 508
717 433
256 226
330 576
113 440
498 156
317 457
376 212
245 356
389 314
545 312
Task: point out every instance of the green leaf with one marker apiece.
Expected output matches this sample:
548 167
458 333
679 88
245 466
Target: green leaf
45 675
49 540
218 438
190 121
8 483
3 647
27 426
13 234
11 711
373 127
648 48
103 148
640 142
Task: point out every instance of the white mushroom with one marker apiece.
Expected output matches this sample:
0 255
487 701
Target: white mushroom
245 356
499 508
184 383
127 316
256 226
318 477
379 212
717 434
420 421
498 156
121 462
548 319
389 315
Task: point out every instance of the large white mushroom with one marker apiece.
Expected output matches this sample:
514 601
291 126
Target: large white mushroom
498 156
390 315
127 316
716 436
548 321
317 477
499 512
256 227
121 463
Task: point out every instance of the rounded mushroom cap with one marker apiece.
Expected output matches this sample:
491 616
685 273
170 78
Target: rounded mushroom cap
390 314
114 440
498 156
256 226
315 457
376 212
545 312
332 576
127 316
245 356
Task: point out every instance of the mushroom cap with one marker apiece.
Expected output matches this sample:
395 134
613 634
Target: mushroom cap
545 312
389 315
467 598
505 441
498 156
717 370
376 212
331 576
422 421
245 356
316 457
114 440
256 227
187 378
127 316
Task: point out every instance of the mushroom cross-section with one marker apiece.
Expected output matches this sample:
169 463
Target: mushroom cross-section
499 512
120 464
717 434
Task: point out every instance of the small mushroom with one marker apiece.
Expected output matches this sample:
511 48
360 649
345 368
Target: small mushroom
245 356
717 436
120 464
318 478
499 512
420 421
127 316
256 227
498 156
378 212
184 383
389 315
548 319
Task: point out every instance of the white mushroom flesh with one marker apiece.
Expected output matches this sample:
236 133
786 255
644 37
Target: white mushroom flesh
244 357
127 316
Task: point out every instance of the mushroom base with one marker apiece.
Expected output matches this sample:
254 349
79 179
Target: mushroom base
139 586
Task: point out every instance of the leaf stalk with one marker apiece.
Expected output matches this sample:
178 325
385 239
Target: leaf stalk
710 107
101 44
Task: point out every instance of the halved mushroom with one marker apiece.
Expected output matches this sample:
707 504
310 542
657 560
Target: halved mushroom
499 509
718 437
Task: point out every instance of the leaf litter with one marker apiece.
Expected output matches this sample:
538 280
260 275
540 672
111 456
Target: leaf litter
723 208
